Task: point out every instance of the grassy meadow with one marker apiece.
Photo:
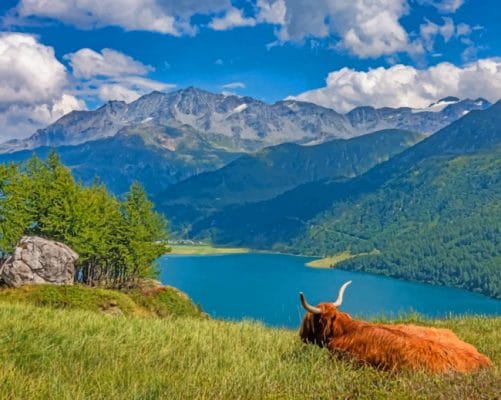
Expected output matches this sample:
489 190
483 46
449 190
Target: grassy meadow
204 249
149 302
48 353
330 262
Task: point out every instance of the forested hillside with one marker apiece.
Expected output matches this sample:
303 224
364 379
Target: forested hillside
155 156
274 170
439 223
432 211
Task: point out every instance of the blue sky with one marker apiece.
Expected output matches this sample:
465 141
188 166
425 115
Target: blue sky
333 52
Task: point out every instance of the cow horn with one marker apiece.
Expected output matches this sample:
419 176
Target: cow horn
307 307
339 300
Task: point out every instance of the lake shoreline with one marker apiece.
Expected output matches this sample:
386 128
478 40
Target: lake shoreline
205 250
209 250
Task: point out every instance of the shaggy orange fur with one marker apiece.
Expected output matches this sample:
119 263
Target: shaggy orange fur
391 347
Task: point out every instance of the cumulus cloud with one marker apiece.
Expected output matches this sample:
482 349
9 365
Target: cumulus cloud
36 89
87 63
234 85
111 75
231 19
164 16
34 86
129 14
366 28
406 86
272 12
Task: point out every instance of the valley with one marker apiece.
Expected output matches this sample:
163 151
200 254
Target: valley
411 204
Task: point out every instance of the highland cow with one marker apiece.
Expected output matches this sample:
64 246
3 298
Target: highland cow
385 346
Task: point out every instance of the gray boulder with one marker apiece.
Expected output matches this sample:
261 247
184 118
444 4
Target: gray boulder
39 261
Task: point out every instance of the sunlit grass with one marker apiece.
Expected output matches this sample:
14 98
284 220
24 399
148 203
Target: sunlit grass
205 250
330 262
151 302
75 354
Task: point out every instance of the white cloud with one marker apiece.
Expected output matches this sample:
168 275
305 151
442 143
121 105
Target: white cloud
445 6
429 32
231 19
234 85
406 86
87 63
34 86
366 28
129 14
112 75
36 89
128 88
463 29
272 12
164 16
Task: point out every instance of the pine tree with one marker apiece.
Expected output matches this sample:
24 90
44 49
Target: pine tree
147 233
117 242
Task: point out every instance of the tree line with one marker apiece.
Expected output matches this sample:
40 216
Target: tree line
117 240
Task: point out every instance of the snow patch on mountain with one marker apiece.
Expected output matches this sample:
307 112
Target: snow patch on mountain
244 121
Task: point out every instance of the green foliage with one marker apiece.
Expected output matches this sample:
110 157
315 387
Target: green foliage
117 241
165 301
14 213
59 354
276 169
439 223
432 211
157 157
146 230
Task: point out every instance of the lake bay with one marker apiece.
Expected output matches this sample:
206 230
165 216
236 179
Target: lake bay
265 287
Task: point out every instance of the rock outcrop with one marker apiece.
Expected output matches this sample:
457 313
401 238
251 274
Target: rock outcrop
39 261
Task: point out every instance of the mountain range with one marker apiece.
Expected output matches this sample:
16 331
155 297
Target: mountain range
163 138
412 193
430 213
248 124
274 170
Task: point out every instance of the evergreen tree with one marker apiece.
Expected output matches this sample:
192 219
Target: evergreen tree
117 242
147 232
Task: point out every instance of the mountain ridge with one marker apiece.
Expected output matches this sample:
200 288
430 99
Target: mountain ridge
431 213
276 169
240 118
286 213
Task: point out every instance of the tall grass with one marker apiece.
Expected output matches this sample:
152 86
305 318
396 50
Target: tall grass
77 354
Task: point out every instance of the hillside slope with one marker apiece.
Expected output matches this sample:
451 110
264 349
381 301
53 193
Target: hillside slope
56 354
450 180
274 170
157 158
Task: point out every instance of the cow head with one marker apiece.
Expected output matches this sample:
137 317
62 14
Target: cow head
323 322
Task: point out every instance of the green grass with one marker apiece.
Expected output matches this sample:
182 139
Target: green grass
163 302
77 354
203 249
330 262
148 302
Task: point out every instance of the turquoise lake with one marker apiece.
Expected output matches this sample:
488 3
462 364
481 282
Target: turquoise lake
265 287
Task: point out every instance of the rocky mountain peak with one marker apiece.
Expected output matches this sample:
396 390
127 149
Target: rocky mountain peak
240 119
